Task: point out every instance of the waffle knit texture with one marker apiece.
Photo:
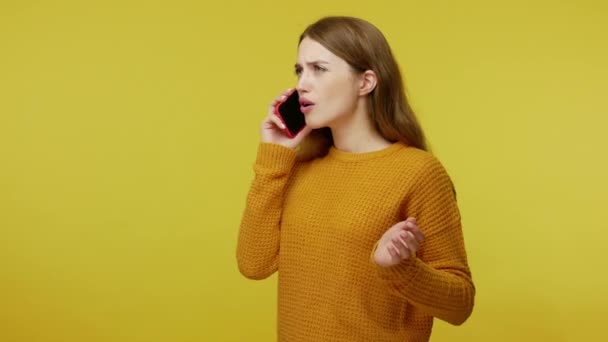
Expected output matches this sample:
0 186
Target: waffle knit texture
317 223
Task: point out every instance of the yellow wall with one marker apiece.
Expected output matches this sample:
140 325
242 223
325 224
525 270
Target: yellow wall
128 131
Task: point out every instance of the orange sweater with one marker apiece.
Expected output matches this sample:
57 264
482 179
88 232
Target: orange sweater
317 224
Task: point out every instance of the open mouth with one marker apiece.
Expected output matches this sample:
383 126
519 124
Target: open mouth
306 107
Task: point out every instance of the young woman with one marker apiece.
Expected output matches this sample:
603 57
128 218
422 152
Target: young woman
359 220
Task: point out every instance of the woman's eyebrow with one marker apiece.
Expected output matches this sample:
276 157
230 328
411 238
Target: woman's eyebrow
297 65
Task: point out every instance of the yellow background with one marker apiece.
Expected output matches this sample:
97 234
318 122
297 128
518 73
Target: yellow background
128 131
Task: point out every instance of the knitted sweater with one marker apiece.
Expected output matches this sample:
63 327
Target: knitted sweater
317 223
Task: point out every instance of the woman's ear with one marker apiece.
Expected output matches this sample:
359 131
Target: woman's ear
368 82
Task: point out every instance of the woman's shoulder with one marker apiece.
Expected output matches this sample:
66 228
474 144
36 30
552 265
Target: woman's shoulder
409 155
419 162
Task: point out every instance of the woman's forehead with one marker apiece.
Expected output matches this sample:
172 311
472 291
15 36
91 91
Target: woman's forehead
310 51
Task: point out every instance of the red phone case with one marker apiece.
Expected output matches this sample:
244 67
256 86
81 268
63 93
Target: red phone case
289 133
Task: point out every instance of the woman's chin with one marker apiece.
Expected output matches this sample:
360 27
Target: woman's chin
315 124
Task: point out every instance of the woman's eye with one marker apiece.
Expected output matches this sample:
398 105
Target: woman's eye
315 68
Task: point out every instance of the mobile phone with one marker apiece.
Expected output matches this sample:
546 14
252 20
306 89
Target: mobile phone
290 114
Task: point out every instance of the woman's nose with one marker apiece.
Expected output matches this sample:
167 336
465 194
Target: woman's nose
303 85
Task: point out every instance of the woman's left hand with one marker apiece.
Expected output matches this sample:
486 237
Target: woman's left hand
400 242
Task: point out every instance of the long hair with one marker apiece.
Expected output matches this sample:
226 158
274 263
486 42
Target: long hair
364 47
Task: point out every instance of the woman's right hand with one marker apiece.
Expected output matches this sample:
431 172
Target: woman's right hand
272 129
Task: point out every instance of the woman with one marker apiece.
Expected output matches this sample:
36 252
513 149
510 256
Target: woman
360 222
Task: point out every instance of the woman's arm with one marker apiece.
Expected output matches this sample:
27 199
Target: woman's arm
438 279
259 235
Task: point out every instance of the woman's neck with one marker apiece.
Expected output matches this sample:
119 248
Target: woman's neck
358 135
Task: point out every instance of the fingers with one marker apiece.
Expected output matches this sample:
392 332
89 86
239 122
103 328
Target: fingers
416 233
411 226
288 92
400 225
401 245
272 117
409 239
406 239
402 241
276 120
281 98
393 251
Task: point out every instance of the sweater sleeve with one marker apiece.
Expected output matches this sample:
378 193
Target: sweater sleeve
438 280
259 234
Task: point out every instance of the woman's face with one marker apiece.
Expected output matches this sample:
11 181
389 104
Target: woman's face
326 81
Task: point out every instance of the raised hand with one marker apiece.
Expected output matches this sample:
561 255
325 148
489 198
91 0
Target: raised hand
400 242
272 130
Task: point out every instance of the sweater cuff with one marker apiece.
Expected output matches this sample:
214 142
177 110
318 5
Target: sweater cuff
275 156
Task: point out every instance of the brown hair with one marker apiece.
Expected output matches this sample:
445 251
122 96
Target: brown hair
364 47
